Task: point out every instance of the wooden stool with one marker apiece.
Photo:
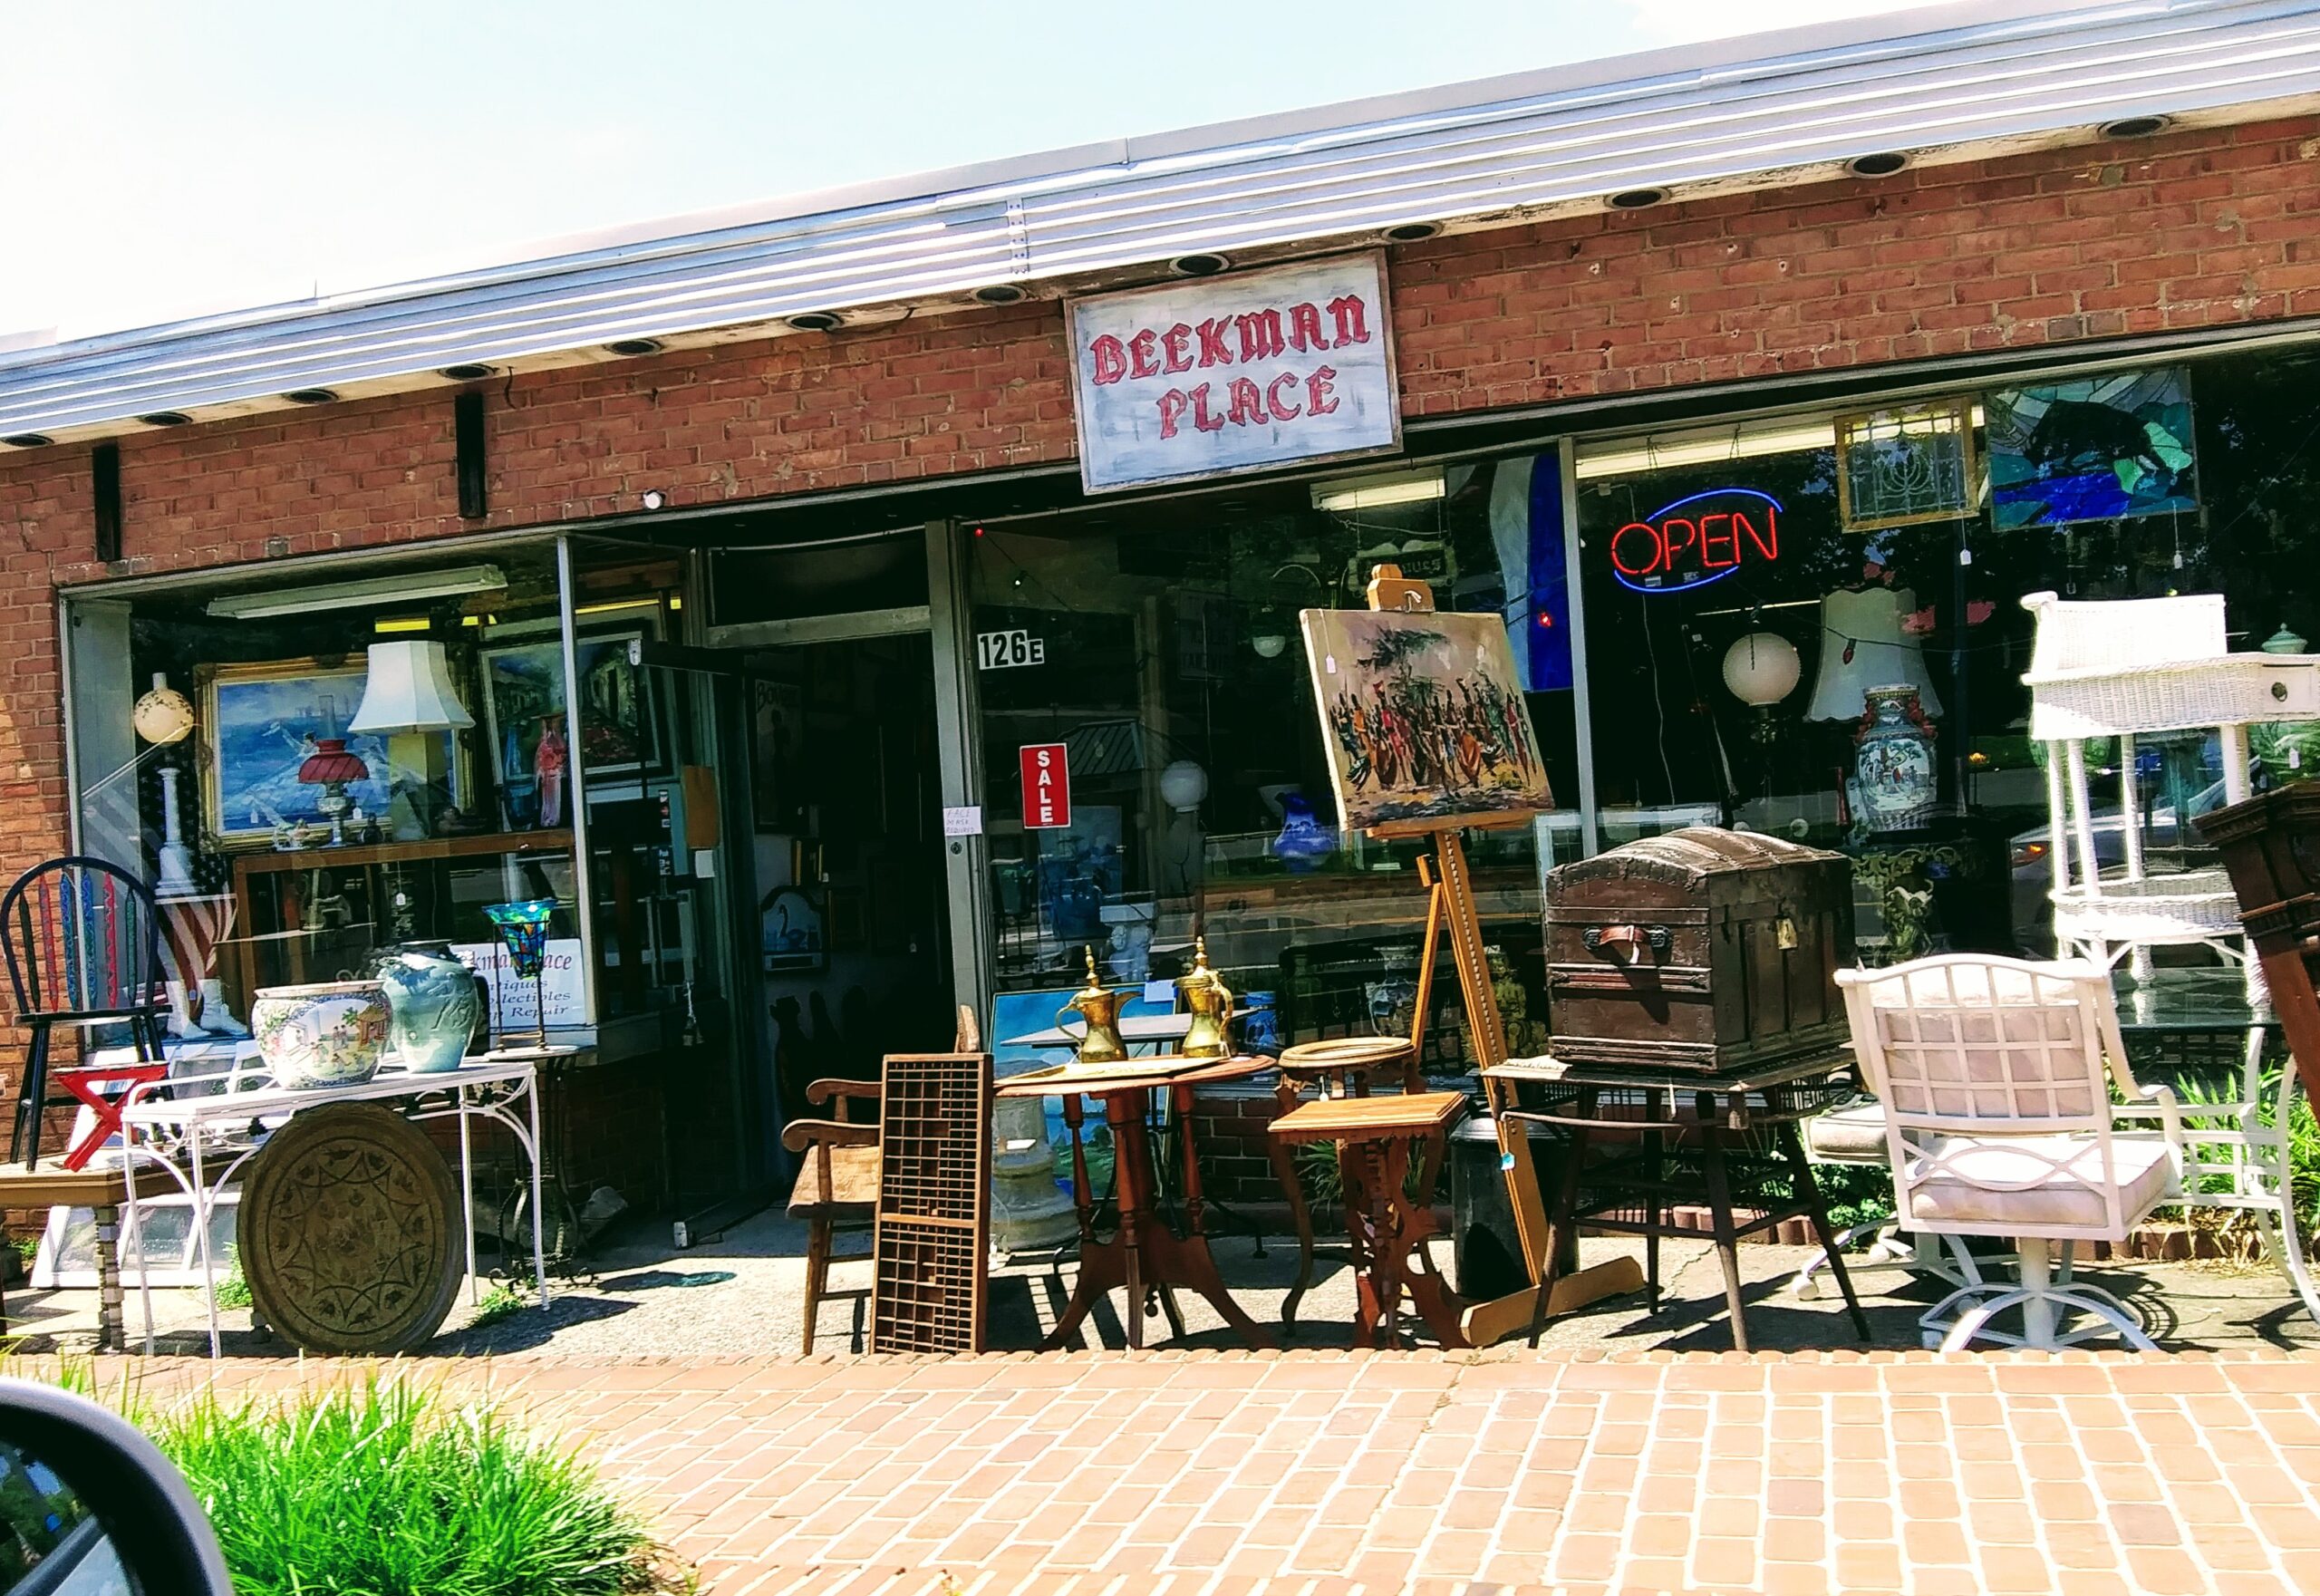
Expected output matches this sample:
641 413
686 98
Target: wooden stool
1339 1067
1374 1138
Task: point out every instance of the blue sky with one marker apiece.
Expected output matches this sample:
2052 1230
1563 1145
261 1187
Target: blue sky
169 160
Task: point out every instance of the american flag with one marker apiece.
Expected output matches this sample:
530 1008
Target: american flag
192 929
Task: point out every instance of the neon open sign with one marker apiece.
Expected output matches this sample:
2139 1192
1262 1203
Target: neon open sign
1696 540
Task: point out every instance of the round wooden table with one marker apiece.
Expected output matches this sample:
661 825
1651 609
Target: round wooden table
1144 1255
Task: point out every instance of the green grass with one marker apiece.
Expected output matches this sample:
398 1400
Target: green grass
232 1286
501 1301
390 1488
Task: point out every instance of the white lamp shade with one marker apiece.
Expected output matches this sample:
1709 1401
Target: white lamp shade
1183 785
162 716
409 689
1762 669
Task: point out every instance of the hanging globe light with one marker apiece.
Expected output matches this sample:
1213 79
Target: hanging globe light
1762 669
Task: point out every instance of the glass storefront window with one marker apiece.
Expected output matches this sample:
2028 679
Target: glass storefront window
1155 651
326 801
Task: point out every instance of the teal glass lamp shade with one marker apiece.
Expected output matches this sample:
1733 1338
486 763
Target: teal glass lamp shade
522 932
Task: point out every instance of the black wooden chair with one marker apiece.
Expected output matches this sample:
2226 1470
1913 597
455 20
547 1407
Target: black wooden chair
83 941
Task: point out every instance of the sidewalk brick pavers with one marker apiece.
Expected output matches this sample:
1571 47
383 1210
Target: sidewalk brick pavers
1483 1473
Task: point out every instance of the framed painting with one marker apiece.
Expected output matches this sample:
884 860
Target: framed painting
620 733
525 720
776 744
1899 467
2094 449
1423 720
258 724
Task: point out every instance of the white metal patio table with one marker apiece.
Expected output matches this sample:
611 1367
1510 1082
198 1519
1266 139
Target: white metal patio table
491 1086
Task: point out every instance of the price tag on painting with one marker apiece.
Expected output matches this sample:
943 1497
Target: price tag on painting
1047 787
999 651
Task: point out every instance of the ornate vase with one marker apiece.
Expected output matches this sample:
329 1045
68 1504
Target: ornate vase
432 1003
333 1034
1893 760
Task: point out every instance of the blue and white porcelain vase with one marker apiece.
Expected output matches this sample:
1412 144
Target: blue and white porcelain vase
433 1002
1894 760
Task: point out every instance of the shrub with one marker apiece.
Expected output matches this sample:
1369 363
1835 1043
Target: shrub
388 1489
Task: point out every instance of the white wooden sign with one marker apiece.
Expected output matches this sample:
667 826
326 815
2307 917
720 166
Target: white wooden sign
1242 372
511 996
1003 651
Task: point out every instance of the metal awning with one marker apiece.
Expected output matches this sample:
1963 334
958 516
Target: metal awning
1947 83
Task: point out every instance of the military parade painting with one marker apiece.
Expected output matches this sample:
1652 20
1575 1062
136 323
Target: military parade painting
1423 717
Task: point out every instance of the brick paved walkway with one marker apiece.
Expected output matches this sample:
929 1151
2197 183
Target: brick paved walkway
1473 1473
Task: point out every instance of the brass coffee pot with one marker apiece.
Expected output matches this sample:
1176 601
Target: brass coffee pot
1100 1008
1206 1000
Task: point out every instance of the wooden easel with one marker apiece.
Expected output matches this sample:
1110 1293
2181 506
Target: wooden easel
1450 902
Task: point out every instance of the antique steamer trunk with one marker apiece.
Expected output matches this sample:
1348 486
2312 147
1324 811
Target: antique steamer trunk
1704 948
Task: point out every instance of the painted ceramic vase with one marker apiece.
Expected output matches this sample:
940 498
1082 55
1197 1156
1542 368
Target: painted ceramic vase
1893 760
333 1034
432 1005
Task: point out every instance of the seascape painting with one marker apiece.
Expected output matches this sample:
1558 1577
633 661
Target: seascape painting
1423 718
260 723
2094 449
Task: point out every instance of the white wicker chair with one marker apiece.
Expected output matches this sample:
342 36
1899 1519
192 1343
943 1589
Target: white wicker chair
2128 667
1994 1074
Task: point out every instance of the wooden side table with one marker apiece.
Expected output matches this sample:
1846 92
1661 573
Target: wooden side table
1143 1255
1375 1138
1340 1067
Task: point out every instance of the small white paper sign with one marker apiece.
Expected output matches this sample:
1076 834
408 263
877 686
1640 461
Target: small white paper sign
966 820
1160 991
560 987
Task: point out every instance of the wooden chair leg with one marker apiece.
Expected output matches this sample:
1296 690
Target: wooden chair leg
818 1271
1719 1208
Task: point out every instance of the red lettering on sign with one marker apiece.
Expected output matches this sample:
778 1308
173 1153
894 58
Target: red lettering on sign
1213 350
1282 410
1110 359
1175 348
1047 786
1260 335
1352 319
1305 328
1141 360
1318 400
1201 418
1768 544
1709 540
1247 404
1173 405
1651 558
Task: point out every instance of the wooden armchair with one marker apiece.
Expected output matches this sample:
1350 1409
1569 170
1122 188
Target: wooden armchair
837 1182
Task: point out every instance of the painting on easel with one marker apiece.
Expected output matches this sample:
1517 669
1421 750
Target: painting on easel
1423 717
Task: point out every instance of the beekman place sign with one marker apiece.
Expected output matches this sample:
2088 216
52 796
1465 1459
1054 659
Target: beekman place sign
1235 373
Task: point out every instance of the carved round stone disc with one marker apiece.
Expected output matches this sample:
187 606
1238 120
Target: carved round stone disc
350 1231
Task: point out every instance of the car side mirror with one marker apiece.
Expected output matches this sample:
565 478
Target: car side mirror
90 1507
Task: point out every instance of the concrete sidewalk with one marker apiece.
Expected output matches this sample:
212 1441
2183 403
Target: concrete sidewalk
1323 1472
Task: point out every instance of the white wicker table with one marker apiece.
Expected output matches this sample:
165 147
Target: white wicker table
493 1086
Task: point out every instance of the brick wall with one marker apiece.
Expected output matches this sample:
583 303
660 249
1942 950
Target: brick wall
2183 231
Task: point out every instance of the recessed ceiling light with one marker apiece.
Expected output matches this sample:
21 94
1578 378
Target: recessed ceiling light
166 418
311 396
813 321
2132 127
1000 294
27 440
1199 265
468 372
635 346
1636 198
1411 232
1883 164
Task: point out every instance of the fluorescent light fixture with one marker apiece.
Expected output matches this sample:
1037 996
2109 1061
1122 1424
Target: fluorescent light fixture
614 606
403 623
1371 493
1707 446
366 590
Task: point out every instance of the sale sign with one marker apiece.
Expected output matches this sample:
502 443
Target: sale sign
1047 786
1241 372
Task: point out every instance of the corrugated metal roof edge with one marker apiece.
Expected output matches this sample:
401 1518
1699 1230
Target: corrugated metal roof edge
94 383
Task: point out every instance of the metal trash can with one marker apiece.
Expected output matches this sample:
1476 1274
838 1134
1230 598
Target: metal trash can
1485 1253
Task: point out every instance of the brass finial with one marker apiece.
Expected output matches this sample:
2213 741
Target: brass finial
1094 981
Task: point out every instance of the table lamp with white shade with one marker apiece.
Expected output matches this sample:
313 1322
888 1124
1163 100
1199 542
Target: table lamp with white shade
408 699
